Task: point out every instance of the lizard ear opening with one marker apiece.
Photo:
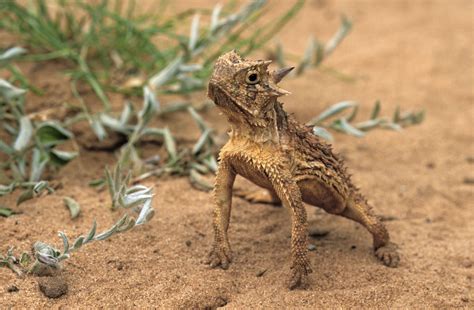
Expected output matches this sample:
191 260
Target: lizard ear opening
279 74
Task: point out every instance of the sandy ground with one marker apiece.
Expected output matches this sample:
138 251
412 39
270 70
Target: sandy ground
418 54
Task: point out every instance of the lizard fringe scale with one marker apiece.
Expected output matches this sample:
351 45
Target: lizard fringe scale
270 148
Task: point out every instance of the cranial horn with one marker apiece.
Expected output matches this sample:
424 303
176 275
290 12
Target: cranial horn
279 74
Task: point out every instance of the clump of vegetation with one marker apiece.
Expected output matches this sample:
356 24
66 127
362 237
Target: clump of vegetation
105 40
46 256
33 145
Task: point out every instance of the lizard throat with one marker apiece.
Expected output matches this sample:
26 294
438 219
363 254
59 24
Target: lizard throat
263 127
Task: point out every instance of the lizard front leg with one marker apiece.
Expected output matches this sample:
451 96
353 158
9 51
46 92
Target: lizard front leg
220 254
289 193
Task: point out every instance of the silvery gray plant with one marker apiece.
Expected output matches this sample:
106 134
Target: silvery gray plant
345 124
137 197
33 144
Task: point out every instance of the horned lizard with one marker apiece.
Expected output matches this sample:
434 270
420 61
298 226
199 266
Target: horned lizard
270 148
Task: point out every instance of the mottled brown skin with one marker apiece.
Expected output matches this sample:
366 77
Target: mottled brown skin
271 149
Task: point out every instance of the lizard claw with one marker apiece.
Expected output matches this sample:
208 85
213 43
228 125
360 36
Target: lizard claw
220 256
299 274
388 255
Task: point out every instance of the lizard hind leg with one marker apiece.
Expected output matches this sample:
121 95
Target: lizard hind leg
385 250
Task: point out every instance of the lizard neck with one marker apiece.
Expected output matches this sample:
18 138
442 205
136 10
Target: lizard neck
268 129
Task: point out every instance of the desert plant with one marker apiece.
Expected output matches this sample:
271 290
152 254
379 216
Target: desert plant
343 123
33 144
138 197
96 38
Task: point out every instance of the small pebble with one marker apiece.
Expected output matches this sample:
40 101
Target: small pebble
12 289
430 165
53 287
261 272
311 247
188 243
468 180
353 247
467 263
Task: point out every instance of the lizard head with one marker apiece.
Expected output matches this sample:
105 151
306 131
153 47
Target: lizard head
244 89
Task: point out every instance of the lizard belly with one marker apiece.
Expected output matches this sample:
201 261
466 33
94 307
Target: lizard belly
317 193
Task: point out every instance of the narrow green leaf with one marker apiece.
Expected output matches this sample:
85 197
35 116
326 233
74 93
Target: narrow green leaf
343 126
198 119
24 196
73 206
216 11
25 259
112 123
51 133
6 212
194 33
376 110
4 190
166 74
65 240
396 115
150 106
127 113
40 187
97 183
9 92
91 234
344 29
98 128
323 133
170 143
11 53
78 243
38 163
61 158
332 111
24 135
367 125
203 139
5 148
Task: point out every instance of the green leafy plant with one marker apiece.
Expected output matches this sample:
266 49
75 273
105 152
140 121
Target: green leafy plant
109 37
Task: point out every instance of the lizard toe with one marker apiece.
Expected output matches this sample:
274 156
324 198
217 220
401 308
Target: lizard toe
299 273
388 254
219 258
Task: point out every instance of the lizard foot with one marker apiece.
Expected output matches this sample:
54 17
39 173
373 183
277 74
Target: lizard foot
257 196
219 256
299 273
388 254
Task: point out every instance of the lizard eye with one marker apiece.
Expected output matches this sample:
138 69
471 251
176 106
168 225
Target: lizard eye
252 77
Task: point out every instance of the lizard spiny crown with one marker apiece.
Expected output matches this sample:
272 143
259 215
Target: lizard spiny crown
246 88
